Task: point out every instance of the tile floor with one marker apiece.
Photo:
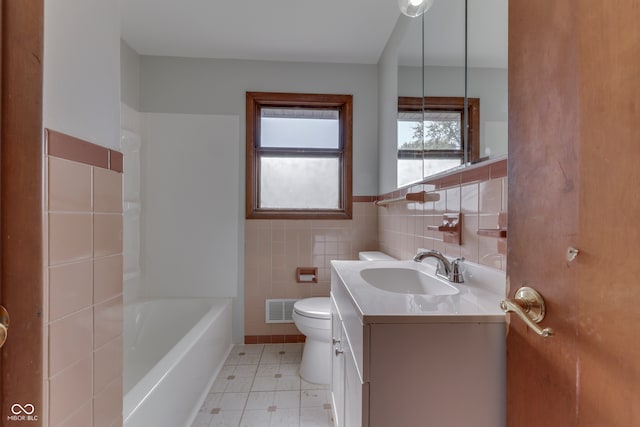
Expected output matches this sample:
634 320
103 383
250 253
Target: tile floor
259 386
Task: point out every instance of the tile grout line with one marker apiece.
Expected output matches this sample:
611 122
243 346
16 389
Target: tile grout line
244 409
297 391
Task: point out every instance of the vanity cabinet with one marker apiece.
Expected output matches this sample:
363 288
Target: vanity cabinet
337 367
348 392
414 371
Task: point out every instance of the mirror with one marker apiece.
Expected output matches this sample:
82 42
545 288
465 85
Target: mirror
487 51
432 79
409 134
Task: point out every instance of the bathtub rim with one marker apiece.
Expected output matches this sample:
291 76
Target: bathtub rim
138 394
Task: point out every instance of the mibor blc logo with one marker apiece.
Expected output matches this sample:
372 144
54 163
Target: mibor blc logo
22 412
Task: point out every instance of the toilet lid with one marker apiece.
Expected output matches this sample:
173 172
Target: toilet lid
318 308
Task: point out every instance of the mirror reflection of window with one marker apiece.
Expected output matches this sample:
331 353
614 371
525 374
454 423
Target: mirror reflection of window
410 147
432 141
442 141
435 59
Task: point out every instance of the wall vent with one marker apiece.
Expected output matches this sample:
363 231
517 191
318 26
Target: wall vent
279 310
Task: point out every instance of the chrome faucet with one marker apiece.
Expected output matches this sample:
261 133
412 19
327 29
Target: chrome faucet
445 269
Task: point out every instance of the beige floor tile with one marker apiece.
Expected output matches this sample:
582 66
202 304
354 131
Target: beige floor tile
269 394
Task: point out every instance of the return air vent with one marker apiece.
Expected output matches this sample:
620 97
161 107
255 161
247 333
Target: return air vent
279 310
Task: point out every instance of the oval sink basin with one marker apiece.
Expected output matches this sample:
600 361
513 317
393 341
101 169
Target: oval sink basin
406 281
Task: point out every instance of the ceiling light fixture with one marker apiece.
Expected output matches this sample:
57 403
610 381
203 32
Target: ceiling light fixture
414 8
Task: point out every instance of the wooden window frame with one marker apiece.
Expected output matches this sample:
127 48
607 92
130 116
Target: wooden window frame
435 103
255 101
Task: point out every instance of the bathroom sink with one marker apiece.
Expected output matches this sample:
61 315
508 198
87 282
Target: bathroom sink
406 281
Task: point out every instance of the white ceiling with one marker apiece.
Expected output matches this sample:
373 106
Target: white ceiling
343 31
346 31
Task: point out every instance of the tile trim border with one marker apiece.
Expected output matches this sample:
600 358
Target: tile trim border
67 147
273 339
364 199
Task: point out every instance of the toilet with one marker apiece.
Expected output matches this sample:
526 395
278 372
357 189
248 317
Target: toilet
312 317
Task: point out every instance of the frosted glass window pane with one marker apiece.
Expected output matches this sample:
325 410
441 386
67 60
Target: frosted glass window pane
299 183
299 128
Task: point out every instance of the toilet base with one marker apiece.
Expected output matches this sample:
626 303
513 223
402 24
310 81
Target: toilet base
316 362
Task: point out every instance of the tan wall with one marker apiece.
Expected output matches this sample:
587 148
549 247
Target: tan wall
274 249
83 284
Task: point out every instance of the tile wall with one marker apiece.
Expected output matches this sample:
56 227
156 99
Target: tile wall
131 146
84 283
402 227
275 248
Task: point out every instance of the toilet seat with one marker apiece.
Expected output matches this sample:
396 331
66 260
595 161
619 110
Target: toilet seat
315 308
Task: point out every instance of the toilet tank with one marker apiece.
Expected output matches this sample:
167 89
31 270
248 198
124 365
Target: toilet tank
374 256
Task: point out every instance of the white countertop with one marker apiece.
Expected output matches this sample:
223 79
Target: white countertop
477 302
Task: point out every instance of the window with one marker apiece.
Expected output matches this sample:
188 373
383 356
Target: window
298 156
433 141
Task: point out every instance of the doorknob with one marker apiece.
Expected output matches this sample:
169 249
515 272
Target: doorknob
529 306
4 325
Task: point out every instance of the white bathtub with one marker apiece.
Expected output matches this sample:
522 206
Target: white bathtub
173 350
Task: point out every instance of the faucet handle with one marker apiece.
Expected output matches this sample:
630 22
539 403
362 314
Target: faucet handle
455 273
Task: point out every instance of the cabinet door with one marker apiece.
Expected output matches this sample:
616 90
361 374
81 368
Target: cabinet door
337 368
353 391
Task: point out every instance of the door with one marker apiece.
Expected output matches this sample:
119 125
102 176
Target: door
573 167
21 211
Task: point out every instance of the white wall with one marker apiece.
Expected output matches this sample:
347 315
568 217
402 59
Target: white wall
491 86
131 146
131 124
190 198
82 69
129 76
388 106
218 86
130 119
215 86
